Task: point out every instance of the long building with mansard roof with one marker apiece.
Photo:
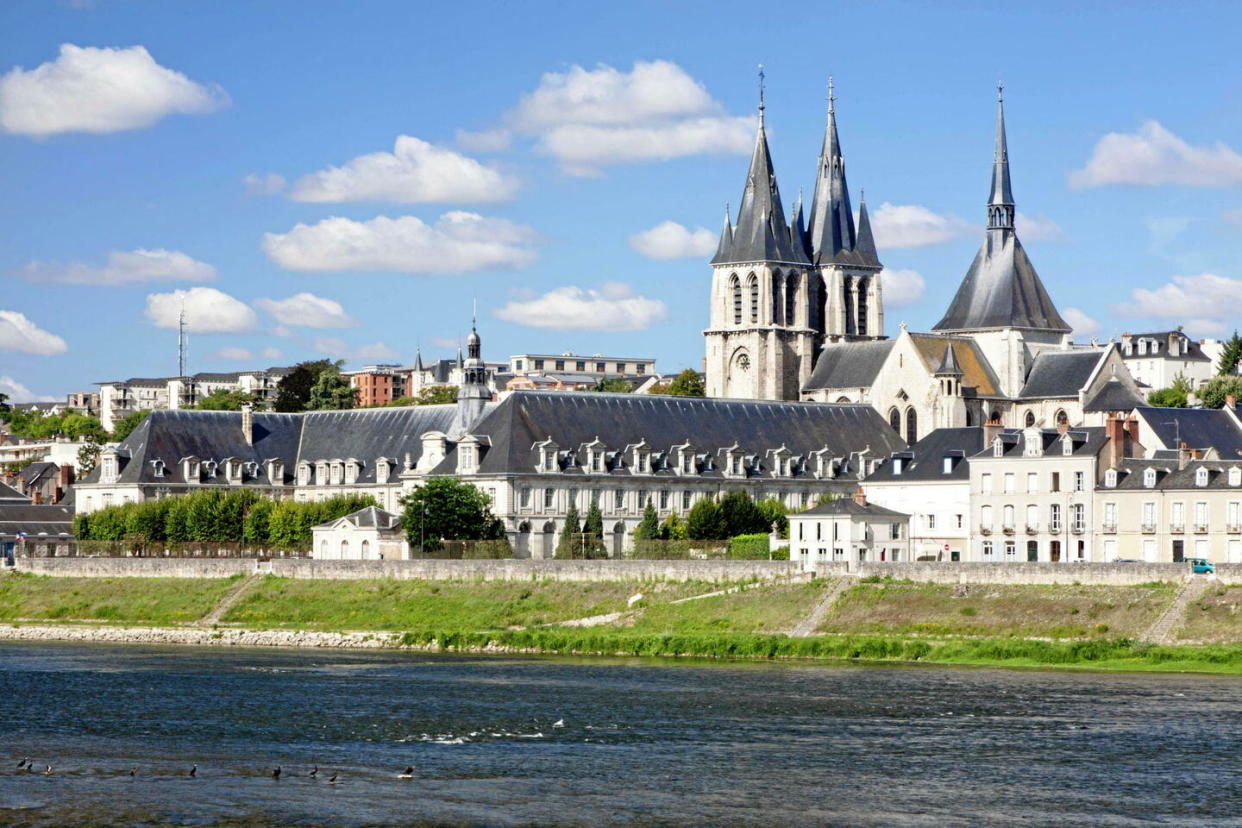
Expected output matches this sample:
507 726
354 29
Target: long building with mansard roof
797 313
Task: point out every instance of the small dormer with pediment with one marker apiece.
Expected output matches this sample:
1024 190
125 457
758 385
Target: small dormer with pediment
547 456
232 470
1032 442
1067 444
734 461
683 459
782 461
435 449
275 468
823 464
1110 479
191 469
1235 476
321 473
640 457
1202 476
469 453
109 465
304 473
1149 478
383 468
998 447
595 457
353 468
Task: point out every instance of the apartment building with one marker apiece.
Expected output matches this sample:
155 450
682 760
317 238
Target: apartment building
848 529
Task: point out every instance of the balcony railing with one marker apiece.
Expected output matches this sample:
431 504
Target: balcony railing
1109 528
985 530
1149 528
1201 528
1032 528
1054 528
1177 528
1079 528
1234 528
1009 530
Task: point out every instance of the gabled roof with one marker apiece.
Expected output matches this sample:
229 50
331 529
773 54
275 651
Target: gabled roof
1061 374
761 233
1130 474
1087 442
832 238
1114 396
849 506
370 517
924 461
8 493
849 364
1196 427
39 470
976 371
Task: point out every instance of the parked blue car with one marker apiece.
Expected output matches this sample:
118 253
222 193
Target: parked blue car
1201 566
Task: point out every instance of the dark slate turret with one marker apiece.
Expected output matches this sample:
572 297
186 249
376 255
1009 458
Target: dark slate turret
474 394
1002 289
948 364
864 246
831 235
797 229
726 240
761 233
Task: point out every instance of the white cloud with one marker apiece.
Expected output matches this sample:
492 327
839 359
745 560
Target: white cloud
1153 156
18 393
1233 217
340 349
587 118
265 184
910 225
901 287
457 243
613 307
415 172
98 90
1038 228
1206 298
1082 324
234 354
270 353
488 140
307 310
124 267
17 333
207 310
445 342
670 240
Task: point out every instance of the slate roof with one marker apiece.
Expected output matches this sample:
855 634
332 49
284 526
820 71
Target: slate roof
1196 427
371 517
924 461
831 236
34 520
1087 442
38 471
8 493
976 370
1168 476
1193 351
1114 396
370 433
761 234
1061 374
513 427
849 506
849 364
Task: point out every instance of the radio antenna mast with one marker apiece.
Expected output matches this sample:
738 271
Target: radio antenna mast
181 342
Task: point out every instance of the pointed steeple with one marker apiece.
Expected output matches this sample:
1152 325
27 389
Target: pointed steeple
1000 203
418 359
761 234
474 393
831 229
726 240
948 363
864 245
797 229
1001 289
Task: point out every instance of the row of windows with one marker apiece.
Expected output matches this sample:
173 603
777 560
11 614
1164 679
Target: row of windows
581 365
1078 517
912 424
619 500
1177 516
1008 550
1009 482
838 554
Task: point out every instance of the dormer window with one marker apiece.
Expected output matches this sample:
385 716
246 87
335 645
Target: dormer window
157 468
352 467
549 460
642 462
1110 479
946 465
382 469
304 473
1067 446
1235 476
597 461
276 472
998 448
1149 478
190 469
209 469
1201 476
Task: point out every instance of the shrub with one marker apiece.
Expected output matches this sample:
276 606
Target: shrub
754 547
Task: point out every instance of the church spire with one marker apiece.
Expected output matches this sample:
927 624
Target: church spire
1000 203
831 228
761 233
726 239
864 246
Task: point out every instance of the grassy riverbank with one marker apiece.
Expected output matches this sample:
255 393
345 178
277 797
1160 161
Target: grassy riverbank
1081 627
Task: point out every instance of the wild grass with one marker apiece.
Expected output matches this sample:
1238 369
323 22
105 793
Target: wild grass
1216 616
765 609
386 604
119 600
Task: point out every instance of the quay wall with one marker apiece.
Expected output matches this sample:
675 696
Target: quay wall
1099 574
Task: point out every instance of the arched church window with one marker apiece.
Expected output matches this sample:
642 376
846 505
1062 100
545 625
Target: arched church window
735 285
1062 417
1030 419
777 282
863 286
912 426
753 285
791 299
894 421
743 362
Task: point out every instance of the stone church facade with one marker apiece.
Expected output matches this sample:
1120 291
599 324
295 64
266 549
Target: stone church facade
797 313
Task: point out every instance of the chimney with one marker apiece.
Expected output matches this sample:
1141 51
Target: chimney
990 429
1062 427
1115 429
860 497
36 497
1183 456
66 476
247 423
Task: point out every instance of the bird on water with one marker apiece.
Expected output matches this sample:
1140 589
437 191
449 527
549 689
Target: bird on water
276 773
408 773
194 771
314 772
48 772
332 779
24 764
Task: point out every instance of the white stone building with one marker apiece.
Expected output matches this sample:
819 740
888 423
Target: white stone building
370 534
848 529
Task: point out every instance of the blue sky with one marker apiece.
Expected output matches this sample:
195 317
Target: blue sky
251 156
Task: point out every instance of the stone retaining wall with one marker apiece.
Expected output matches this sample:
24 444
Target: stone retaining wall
432 570
1103 574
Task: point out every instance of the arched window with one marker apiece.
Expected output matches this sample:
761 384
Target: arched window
735 285
1030 419
777 283
752 285
344 549
791 299
1062 417
323 548
863 285
894 420
366 549
970 418
912 426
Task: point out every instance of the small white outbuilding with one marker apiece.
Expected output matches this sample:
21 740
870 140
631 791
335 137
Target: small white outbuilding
369 534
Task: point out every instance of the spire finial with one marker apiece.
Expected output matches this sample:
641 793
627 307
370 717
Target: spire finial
762 106
474 314
832 96
1000 92
862 195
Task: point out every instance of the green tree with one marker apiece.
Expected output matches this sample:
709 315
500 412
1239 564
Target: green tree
649 527
4 401
126 425
594 523
88 456
1167 398
436 395
570 541
1230 356
776 513
444 508
613 385
224 400
689 383
706 521
1214 391
294 390
673 527
332 391
742 516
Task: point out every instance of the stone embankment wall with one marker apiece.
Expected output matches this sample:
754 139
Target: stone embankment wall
1103 574
431 570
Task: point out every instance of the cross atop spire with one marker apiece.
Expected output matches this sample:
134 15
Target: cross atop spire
762 106
832 96
1000 203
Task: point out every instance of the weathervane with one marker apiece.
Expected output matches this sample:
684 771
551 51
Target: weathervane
832 96
761 104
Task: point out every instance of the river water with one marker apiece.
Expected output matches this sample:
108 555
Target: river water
518 741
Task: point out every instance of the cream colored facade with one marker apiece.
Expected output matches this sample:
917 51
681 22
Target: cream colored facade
939 526
837 532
